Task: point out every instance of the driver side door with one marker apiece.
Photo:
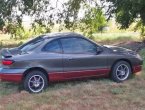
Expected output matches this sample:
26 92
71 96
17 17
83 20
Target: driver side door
80 58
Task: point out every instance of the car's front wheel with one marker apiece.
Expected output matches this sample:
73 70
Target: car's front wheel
35 82
121 71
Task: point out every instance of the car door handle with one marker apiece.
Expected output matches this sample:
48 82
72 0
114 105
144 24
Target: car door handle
70 58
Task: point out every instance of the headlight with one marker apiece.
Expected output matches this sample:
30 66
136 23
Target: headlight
132 53
139 57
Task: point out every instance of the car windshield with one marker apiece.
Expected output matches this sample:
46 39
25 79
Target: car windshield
32 44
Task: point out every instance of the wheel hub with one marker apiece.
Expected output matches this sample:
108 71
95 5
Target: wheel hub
122 73
36 83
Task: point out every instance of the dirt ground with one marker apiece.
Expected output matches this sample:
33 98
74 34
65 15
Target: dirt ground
135 46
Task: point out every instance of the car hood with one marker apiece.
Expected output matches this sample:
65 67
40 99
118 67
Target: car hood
119 50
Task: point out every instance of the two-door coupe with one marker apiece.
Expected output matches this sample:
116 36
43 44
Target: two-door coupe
64 56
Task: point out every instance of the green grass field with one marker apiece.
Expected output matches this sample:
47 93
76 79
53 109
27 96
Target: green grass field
91 94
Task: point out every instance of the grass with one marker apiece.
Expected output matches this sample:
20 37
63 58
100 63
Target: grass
102 38
91 94
109 38
7 88
7 42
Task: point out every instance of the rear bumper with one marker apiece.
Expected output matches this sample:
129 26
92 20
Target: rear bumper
12 75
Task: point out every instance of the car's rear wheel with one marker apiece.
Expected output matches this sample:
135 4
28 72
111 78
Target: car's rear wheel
35 82
121 71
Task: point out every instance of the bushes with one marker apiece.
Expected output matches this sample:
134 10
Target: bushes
18 32
142 53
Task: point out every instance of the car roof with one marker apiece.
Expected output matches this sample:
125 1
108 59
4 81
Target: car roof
61 34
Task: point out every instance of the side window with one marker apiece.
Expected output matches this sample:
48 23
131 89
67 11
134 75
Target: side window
87 47
78 45
52 46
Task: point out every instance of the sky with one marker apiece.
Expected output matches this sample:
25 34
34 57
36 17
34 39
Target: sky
57 4
53 4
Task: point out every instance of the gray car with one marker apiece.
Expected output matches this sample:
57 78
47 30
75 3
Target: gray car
64 56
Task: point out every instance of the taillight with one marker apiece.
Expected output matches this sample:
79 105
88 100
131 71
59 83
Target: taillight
7 62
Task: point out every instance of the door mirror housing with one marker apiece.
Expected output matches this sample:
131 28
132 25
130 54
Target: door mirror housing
99 50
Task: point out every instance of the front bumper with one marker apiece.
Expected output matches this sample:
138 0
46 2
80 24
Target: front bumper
12 75
137 68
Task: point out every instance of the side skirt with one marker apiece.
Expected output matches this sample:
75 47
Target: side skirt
62 76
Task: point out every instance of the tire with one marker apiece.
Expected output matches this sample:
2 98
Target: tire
121 71
35 82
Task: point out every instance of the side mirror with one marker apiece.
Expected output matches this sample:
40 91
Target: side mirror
99 50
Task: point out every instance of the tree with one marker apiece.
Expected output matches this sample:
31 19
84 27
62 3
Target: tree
93 22
46 15
13 11
126 12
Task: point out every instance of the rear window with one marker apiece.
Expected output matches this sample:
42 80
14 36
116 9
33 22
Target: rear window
32 44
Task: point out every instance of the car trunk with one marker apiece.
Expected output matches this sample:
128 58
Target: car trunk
8 53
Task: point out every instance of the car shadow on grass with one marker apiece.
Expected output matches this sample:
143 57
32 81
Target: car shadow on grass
75 82
7 88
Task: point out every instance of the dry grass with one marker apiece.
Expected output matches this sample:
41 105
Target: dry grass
93 94
115 38
7 42
102 38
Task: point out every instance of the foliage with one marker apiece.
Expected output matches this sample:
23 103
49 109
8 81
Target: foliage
141 27
1 24
18 32
126 12
46 13
39 29
142 53
15 30
93 22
